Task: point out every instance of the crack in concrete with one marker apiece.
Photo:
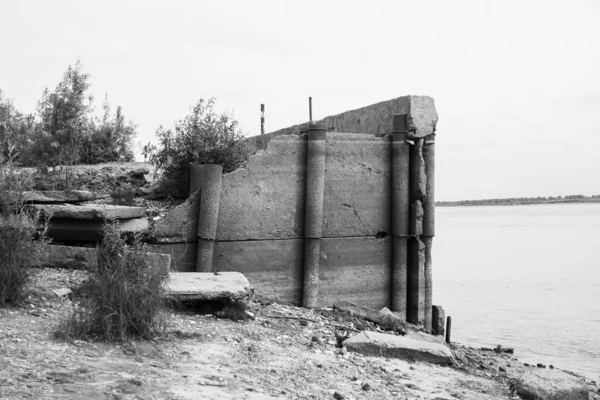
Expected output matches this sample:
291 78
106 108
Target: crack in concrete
355 213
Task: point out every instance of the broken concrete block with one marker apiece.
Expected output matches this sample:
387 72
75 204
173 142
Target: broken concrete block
181 223
58 196
550 384
413 347
422 116
90 211
208 286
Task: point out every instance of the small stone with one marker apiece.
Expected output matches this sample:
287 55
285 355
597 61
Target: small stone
501 369
62 292
36 311
365 386
540 365
338 396
498 348
303 322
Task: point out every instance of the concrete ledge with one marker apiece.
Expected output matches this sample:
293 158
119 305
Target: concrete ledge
81 230
412 347
208 286
58 196
90 211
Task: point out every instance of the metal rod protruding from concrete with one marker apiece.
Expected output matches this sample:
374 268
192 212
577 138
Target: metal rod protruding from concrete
313 217
208 214
310 109
400 214
448 328
262 119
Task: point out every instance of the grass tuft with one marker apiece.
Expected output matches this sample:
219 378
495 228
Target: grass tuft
125 297
16 230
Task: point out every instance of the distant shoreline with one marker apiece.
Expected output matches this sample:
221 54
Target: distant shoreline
517 201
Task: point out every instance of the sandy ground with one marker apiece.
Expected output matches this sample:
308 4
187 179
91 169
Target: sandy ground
285 353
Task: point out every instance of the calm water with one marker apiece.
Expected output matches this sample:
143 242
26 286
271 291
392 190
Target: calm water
526 277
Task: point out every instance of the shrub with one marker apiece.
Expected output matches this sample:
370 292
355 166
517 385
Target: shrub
125 296
201 137
16 231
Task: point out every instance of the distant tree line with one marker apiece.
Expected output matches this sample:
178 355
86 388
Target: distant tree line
575 198
64 130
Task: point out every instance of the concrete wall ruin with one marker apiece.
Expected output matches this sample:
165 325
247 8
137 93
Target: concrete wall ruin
261 229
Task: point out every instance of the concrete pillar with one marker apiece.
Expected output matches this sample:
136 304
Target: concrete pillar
313 217
208 178
438 317
400 214
416 248
429 226
416 282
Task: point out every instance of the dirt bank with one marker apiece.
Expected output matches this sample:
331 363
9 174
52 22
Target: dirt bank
285 353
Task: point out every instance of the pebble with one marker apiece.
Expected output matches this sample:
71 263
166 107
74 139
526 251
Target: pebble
365 386
338 396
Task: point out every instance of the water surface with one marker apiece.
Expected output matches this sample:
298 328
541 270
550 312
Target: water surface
526 277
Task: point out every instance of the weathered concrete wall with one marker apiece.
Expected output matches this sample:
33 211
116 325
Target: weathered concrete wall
374 119
274 267
261 231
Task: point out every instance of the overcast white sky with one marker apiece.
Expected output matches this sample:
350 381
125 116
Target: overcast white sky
516 83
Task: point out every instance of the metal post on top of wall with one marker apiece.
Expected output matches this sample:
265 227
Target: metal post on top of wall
262 119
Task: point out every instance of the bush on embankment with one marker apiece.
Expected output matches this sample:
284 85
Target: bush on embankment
201 137
16 231
124 297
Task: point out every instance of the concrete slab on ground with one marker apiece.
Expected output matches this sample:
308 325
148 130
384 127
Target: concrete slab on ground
90 211
208 286
413 347
550 384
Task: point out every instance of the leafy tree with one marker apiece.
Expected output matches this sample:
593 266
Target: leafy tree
15 131
201 137
64 119
111 140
